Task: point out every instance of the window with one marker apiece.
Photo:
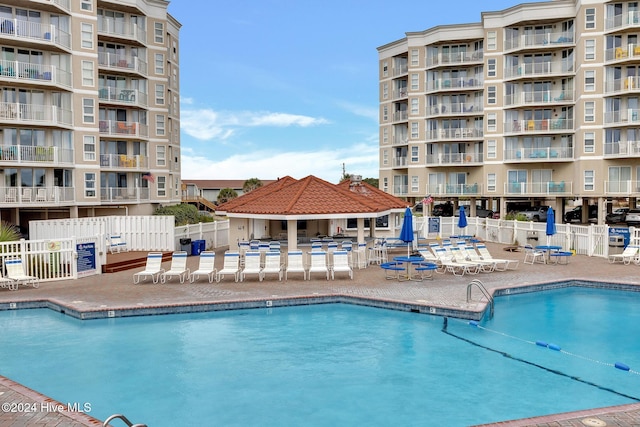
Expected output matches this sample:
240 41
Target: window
491 95
590 18
90 184
414 130
158 31
162 186
88 110
414 154
589 80
491 67
159 63
491 122
87 73
385 69
89 147
161 155
86 5
385 136
415 58
492 40
589 142
385 90
491 182
415 85
589 111
415 106
589 50
491 149
385 157
589 180
385 113
160 94
385 184
86 35
415 184
160 125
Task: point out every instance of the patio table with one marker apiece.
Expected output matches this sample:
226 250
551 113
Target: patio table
408 261
548 251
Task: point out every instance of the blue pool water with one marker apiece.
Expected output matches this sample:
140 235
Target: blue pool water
335 364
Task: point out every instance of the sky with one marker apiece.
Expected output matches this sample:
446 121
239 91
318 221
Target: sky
270 88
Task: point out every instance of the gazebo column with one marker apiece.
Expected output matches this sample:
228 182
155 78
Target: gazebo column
292 234
372 228
361 230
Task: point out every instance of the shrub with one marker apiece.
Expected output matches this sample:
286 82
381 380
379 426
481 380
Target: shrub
183 213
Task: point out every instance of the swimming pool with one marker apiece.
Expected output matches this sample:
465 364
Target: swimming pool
335 363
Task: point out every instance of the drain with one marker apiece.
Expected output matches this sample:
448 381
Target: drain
593 422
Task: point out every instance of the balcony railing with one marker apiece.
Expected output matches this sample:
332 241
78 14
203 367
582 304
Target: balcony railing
537 188
126 96
622 149
399 190
453 159
40 196
400 161
454 189
20 154
124 194
622 187
546 41
622 117
539 97
400 69
400 115
116 128
400 140
120 28
122 161
457 83
35 113
538 154
627 84
36 73
34 32
622 53
454 134
122 63
455 58
629 19
538 126
540 69
456 108
400 93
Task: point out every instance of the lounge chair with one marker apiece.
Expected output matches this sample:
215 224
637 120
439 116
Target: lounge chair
16 272
272 265
116 244
448 264
502 264
460 257
178 267
531 255
318 264
206 267
152 269
295 264
231 265
469 253
341 264
251 265
630 253
10 284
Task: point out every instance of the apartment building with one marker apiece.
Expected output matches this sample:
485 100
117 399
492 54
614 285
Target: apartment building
537 103
89 108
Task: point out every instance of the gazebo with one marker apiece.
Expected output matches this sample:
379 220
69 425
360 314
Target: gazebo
294 211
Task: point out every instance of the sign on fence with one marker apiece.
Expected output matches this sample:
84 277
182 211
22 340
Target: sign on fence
86 258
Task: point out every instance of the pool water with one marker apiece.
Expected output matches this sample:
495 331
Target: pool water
335 364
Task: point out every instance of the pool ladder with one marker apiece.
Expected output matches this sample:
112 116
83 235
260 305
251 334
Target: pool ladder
485 292
123 418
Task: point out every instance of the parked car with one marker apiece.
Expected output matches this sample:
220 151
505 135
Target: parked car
617 216
443 209
633 217
480 212
536 213
575 214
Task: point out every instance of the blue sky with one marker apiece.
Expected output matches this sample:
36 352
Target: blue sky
290 87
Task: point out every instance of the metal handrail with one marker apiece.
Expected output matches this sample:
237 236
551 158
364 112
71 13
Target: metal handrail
123 418
484 291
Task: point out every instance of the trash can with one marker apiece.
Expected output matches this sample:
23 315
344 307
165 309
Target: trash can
195 248
185 245
616 244
203 245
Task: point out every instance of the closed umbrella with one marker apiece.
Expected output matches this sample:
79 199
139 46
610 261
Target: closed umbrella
462 219
406 233
551 223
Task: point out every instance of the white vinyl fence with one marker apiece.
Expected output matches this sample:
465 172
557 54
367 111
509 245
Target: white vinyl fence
215 234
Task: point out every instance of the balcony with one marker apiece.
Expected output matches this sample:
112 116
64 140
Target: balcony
456 109
400 161
48 75
454 189
124 194
458 58
522 155
34 34
119 29
122 96
123 161
34 114
538 126
629 53
631 19
400 116
548 188
466 83
35 155
454 159
399 93
539 98
542 41
622 118
37 196
550 68
400 190
622 149
454 134
622 187
118 62
123 129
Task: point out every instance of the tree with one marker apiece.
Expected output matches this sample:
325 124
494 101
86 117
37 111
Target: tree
227 194
251 184
372 181
8 232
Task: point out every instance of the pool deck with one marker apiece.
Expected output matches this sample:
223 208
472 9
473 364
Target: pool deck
96 295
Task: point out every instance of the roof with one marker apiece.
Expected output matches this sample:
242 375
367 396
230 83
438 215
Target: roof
312 197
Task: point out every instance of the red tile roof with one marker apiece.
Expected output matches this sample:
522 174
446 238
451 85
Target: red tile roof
312 196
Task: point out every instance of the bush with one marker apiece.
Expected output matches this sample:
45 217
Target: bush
184 213
516 216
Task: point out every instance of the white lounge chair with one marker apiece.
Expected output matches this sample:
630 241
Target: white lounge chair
446 263
152 269
178 267
10 284
628 254
116 244
272 265
468 253
206 267
531 255
16 272
295 264
341 264
502 264
251 265
318 264
231 265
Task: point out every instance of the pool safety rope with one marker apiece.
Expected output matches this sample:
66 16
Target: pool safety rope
475 324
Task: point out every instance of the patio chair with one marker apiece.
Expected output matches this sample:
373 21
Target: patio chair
206 267
341 264
10 195
177 269
16 272
272 265
469 253
116 244
152 269
251 265
459 257
630 253
532 256
318 264
448 264
295 264
10 284
502 264
230 266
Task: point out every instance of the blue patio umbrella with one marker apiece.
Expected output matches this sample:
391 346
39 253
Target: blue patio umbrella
462 219
406 233
551 223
